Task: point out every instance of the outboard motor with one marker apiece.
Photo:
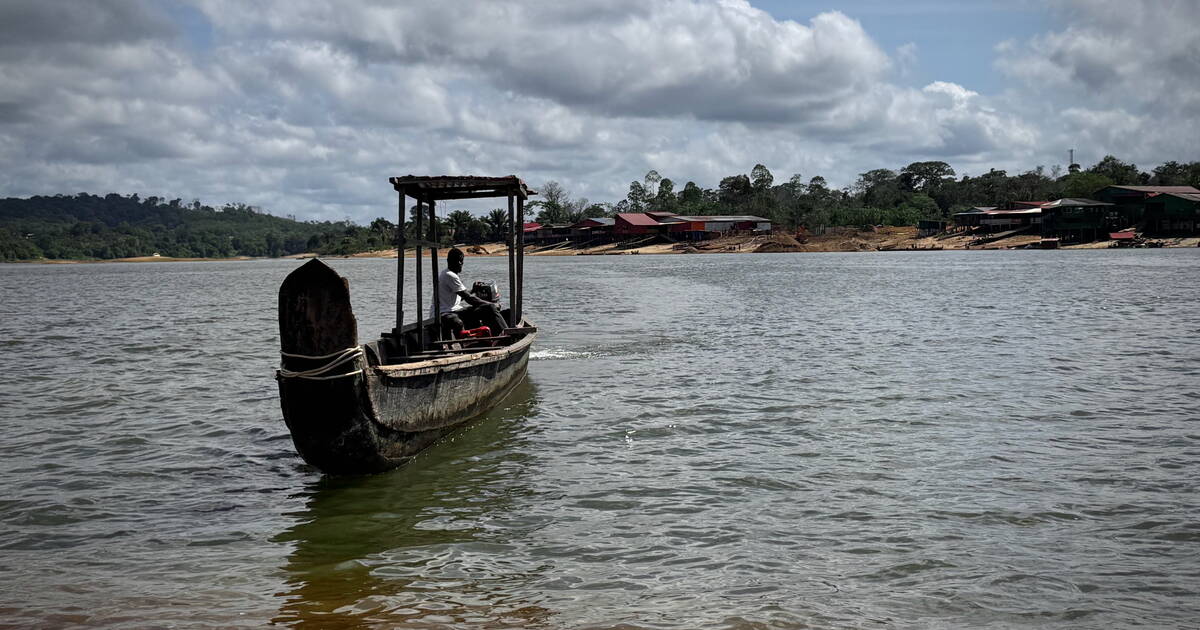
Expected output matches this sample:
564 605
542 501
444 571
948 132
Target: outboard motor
486 290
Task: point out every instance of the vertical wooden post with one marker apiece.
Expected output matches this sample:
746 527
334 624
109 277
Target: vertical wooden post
433 267
517 313
420 280
400 270
511 241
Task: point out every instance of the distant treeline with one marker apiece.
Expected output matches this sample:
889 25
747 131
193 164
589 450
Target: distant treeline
86 226
921 190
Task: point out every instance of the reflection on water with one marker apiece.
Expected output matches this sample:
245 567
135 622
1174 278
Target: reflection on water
400 546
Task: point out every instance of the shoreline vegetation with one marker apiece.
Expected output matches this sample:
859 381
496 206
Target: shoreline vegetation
877 239
129 228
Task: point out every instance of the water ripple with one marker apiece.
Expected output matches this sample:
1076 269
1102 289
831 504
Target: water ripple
835 441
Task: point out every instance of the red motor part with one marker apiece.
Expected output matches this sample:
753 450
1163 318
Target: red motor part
482 331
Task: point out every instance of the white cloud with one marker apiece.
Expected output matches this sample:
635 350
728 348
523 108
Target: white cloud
708 60
307 107
1122 78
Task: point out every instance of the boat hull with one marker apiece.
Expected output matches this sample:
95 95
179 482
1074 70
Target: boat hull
380 418
358 409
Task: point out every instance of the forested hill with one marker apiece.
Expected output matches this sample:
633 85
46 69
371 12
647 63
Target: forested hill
86 226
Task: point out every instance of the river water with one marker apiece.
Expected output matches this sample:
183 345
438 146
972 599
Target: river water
882 440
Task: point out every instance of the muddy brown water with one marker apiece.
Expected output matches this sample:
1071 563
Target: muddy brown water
904 440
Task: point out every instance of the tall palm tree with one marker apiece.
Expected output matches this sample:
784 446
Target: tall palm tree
497 221
458 222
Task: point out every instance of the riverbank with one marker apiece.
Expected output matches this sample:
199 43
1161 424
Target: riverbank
137 259
836 240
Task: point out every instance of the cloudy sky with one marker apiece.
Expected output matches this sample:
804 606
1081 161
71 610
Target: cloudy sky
306 107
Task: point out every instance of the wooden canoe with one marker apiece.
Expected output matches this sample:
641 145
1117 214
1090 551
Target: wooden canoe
357 409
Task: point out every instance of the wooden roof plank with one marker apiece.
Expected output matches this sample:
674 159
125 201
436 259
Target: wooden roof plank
436 188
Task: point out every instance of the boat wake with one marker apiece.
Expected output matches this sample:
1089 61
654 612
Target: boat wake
551 354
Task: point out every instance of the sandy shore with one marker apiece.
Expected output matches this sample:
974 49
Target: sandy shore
840 240
139 259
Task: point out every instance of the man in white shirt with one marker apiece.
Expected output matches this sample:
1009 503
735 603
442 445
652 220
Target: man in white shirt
460 306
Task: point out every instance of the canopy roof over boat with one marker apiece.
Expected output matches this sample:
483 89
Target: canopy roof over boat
429 190
437 188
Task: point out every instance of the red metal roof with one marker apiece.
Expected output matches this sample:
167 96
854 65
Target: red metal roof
637 218
530 227
1121 236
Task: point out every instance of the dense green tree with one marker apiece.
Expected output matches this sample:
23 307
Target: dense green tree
1084 184
420 214
1170 174
691 196
637 200
554 205
665 200
1035 186
1118 172
925 177
17 247
764 200
384 233
457 223
880 188
497 223
92 226
761 178
650 182
595 210
919 206
1175 174
472 232
734 191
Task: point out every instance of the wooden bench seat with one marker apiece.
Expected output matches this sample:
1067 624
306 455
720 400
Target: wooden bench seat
471 339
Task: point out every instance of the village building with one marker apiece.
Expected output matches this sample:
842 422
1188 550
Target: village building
970 218
1115 210
1080 220
720 224
593 229
929 227
554 233
627 224
1015 215
1159 210
668 224
1173 214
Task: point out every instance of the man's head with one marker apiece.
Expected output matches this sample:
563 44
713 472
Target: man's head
454 260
